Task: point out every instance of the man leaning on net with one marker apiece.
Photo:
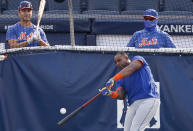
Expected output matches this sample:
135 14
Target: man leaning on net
151 36
24 33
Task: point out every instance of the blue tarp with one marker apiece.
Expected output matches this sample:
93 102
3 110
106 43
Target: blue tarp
34 86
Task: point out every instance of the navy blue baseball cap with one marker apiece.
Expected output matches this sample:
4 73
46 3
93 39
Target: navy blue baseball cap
152 13
25 5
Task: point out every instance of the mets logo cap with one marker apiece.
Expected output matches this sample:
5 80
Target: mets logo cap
151 13
25 5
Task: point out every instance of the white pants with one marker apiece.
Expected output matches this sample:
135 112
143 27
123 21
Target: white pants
140 113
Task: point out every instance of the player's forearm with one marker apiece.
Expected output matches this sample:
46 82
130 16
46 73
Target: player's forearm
128 70
18 45
42 43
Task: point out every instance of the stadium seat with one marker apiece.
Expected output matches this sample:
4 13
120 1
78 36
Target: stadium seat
184 13
101 12
178 5
62 7
138 6
102 7
133 12
12 6
2 5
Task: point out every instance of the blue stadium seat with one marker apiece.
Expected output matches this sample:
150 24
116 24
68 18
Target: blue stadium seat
102 7
178 5
101 12
3 4
60 12
184 13
138 6
12 6
62 7
133 12
0 7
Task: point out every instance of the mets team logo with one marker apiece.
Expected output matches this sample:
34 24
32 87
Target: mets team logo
146 42
23 36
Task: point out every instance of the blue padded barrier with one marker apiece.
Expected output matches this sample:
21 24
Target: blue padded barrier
64 38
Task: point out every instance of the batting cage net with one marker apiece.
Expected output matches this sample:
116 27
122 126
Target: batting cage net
110 23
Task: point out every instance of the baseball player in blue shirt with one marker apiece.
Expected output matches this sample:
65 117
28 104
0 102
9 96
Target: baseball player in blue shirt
151 36
24 33
135 81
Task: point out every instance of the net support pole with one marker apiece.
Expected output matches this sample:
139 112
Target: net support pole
72 38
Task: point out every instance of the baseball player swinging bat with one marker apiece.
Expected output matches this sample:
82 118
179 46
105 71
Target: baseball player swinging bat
75 112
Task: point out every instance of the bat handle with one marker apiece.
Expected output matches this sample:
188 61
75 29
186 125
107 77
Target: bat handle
88 102
37 28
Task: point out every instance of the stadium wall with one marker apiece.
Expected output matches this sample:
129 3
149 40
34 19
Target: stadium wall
89 31
34 85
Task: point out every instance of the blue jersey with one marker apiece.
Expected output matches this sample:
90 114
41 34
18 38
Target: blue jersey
21 33
140 84
153 39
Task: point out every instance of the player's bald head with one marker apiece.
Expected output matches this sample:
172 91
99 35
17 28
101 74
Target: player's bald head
121 53
121 60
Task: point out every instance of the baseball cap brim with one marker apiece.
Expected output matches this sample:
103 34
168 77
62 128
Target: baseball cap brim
26 8
150 16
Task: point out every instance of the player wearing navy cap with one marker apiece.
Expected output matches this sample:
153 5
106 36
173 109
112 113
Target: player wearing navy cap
135 81
151 36
24 32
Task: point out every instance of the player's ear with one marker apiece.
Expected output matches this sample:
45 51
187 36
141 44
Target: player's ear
18 12
126 57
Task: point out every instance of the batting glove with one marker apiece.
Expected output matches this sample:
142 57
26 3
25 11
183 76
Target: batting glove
105 91
36 36
109 84
30 40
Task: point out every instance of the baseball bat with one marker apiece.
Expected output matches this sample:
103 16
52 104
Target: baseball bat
40 12
79 109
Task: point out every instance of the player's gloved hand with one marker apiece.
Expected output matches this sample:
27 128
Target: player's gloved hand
105 91
109 84
36 36
30 40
